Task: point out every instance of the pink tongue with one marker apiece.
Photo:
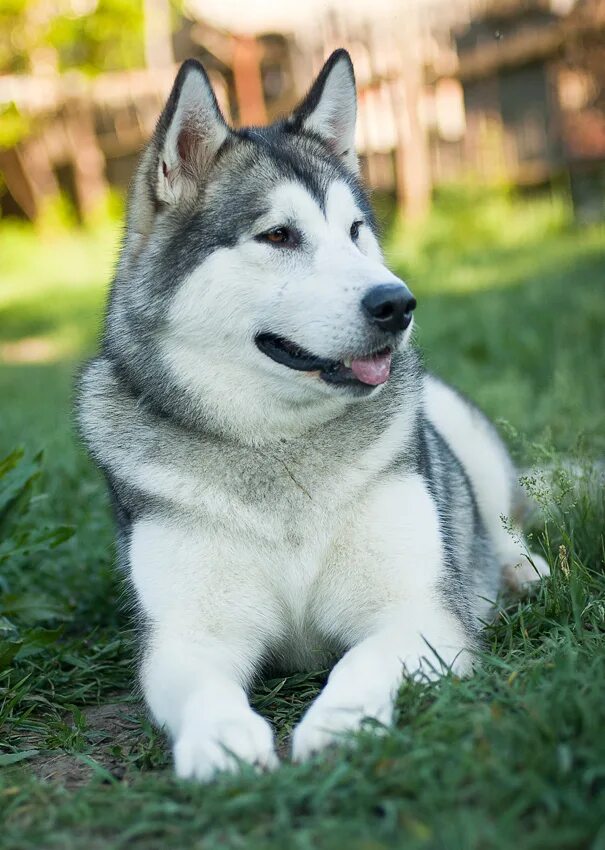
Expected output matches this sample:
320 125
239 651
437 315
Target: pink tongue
372 370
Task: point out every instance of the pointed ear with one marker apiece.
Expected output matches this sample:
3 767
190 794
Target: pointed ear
190 131
330 108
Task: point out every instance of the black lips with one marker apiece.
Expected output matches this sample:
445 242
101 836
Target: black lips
287 353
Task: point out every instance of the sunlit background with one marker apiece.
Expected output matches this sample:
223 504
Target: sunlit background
495 90
481 132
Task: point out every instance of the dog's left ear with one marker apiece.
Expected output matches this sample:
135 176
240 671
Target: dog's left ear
330 108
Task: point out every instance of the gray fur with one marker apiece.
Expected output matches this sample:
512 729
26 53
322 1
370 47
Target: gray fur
135 416
140 414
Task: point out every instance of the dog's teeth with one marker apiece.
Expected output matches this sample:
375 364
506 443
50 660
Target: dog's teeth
347 362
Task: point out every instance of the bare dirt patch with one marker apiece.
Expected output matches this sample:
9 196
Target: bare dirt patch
113 729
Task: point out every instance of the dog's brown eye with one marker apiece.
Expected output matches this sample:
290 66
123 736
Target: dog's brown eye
279 236
355 230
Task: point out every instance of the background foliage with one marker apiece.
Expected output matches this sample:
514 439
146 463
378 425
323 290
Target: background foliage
87 35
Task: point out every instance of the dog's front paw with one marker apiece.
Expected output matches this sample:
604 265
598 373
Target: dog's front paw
212 745
324 725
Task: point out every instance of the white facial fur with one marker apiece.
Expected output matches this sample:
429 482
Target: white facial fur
310 294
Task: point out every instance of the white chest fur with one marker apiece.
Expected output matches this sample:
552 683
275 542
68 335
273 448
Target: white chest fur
299 594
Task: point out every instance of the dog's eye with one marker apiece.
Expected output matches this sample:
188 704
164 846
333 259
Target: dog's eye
277 236
355 230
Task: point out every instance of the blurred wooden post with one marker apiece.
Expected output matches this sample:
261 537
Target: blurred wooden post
87 158
248 81
29 176
158 34
412 162
412 166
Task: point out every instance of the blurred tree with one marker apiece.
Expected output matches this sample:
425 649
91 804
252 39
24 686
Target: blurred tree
87 35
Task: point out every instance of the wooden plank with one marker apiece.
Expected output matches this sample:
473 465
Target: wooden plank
18 182
247 55
87 159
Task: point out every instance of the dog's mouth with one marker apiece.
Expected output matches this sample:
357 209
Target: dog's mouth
372 370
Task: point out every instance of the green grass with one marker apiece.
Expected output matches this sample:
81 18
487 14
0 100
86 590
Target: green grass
512 310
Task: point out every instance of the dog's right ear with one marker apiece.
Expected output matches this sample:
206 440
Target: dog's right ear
188 135
190 131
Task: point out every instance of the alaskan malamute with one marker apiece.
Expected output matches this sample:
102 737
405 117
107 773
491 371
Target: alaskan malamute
290 487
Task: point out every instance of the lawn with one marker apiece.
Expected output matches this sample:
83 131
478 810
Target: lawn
511 310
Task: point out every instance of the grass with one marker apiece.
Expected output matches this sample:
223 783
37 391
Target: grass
512 310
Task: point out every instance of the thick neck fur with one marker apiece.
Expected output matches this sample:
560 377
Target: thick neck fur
257 415
128 431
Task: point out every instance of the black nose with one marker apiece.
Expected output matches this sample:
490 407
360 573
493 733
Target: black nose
389 306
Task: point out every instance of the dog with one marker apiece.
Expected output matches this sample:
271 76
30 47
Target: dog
291 488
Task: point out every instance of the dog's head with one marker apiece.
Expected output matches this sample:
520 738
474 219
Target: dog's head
251 269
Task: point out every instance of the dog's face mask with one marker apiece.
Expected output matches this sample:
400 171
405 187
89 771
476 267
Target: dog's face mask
266 248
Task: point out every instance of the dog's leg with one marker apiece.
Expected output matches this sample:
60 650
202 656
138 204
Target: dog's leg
384 592
195 691
207 623
487 463
364 684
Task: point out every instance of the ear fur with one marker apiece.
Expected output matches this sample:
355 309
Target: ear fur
329 110
190 131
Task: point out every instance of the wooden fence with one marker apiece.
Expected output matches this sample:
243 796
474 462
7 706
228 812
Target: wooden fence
433 104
